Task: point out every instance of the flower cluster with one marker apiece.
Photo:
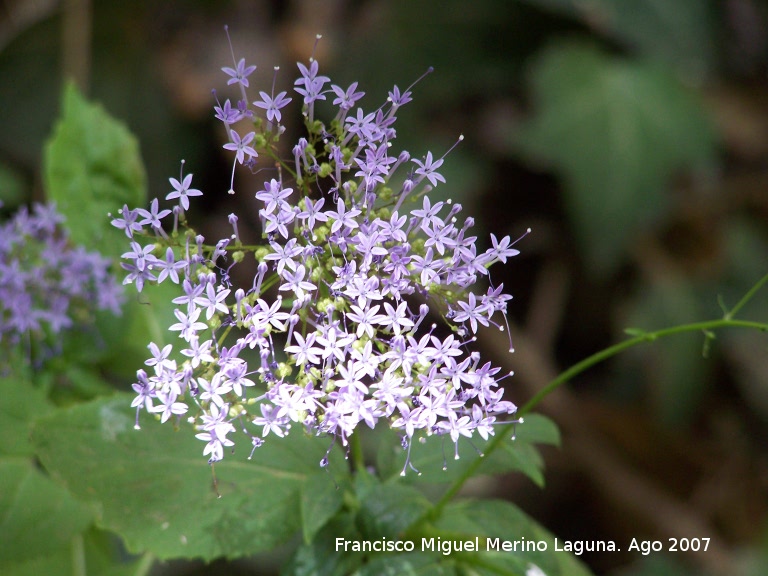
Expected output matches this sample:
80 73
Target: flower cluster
334 330
46 283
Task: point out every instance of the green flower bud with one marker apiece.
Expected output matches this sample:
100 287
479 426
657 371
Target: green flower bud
325 170
284 370
261 252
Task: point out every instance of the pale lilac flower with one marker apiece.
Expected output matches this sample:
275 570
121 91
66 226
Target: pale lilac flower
182 191
396 318
365 319
342 217
188 324
239 75
273 105
214 390
227 114
128 221
471 311
427 169
338 345
270 421
169 406
501 250
216 442
304 350
295 281
213 300
160 357
345 99
169 267
241 146
153 216
198 352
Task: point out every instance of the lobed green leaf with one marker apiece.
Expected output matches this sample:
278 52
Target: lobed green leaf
92 167
20 403
615 131
37 516
321 499
155 489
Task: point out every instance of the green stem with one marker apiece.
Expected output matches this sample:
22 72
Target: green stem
570 373
78 556
747 297
144 564
611 351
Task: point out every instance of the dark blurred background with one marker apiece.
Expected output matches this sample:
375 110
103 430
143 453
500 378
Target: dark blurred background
631 136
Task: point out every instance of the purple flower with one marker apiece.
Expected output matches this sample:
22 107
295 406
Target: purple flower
270 421
152 216
427 169
396 318
216 434
168 406
213 300
170 267
127 221
284 255
182 191
365 317
141 256
241 147
295 281
303 350
227 114
239 75
428 214
362 125
312 212
187 324
345 99
198 352
214 390
159 357
312 84
274 196
273 105
471 311
339 345
343 218
501 250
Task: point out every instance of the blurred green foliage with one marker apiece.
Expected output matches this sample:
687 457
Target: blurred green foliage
616 131
597 120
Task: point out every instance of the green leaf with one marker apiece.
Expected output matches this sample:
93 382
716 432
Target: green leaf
497 519
146 317
154 487
681 33
537 429
74 383
92 168
615 131
20 403
97 551
37 517
434 453
409 564
388 509
321 499
320 558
